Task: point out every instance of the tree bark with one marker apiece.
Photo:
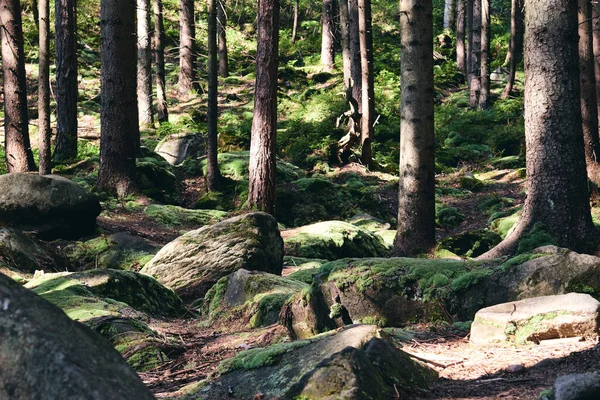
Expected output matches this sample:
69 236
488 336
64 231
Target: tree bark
187 55
19 157
515 51
261 190
416 208
222 33
596 48
345 36
368 93
356 70
475 66
212 166
460 37
118 109
557 191
44 129
66 80
295 23
327 35
162 111
484 94
449 14
144 64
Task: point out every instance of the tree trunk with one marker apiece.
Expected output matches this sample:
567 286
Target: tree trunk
19 157
162 112
144 64
515 50
45 131
118 107
187 56
460 37
327 35
66 80
416 208
469 60
485 55
222 33
449 14
356 70
212 166
596 46
589 110
345 36
368 94
295 23
475 67
261 190
557 192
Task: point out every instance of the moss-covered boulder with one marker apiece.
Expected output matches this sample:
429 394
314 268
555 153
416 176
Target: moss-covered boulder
157 177
332 240
194 262
249 298
177 147
302 269
307 314
351 364
169 215
49 206
21 254
470 244
46 355
369 223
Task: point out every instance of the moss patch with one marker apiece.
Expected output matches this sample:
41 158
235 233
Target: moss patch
175 215
260 357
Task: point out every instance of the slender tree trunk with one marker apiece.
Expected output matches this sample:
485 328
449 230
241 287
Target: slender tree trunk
66 79
187 56
118 109
261 190
222 33
162 112
416 208
449 14
328 35
515 50
345 36
557 191
589 110
485 55
212 166
475 66
144 64
356 70
35 8
295 23
45 131
368 94
19 157
460 37
596 47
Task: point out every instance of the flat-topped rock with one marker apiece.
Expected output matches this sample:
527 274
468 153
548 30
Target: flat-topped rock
538 318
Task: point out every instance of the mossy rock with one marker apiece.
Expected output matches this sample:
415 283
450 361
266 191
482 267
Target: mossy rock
503 225
23 254
471 183
302 269
448 217
369 223
157 177
169 215
332 240
470 244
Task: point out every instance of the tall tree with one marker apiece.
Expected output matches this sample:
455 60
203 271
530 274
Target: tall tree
261 190
449 14
460 36
222 34
328 35
475 65
484 93
118 108
144 64
159 56
416 208
596 47
557 192
345 36
187 56
44 129
368 92
355 56
19 157
295 22
212 166
515 50
66 79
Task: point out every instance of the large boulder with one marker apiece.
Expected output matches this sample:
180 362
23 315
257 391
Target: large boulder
22 254
50 206
177 147
46 355
577 387
194 262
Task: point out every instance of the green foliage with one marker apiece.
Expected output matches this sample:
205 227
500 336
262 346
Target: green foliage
536 237
448 217
259 357
174 215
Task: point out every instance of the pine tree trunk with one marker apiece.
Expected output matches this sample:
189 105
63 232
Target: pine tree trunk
118 108
44 129
469 60
261 190
485 55
460 37
187 56
596 48
345 36
144 64
327 35
356 70
368 93
475 67
222 33
295 23
515 50
557 191
416 208
162 111
212 166
449 14
66 80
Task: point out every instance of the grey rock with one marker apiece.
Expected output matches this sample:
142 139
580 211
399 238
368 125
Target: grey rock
176 148
577 387
24 254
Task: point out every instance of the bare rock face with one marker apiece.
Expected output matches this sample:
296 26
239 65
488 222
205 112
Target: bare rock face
538 318
46 355
50 206
194 262
577 387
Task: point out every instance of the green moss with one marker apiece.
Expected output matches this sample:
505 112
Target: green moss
518 260
470 244
214 298
470 279
269 305
449 217
304 275
374 320
260 357
503 225
536 237
471 183
174 215
524 330
462 326
335 311
103 252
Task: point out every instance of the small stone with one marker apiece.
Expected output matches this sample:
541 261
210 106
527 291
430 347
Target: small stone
515 369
